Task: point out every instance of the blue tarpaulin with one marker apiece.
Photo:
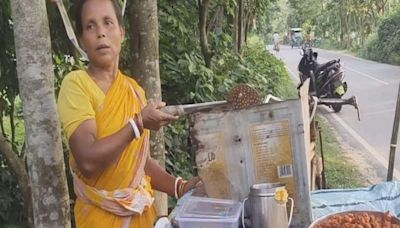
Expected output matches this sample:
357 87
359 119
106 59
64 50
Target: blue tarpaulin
380 197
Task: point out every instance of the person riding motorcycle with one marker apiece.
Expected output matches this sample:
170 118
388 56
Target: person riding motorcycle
295 37
308 39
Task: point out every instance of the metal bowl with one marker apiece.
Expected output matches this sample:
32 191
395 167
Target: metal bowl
321 220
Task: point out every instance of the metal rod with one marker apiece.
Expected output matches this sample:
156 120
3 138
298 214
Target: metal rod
180 110
393 141
331 101
323 185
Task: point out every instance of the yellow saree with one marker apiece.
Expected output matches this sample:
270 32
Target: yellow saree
121 196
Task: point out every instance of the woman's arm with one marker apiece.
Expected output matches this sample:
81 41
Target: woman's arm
160 179
165 182
93 155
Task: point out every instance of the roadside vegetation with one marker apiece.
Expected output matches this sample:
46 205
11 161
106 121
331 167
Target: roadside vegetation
384 44
340 170
369 29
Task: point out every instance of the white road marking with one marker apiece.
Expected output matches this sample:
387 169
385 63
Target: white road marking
360 73
354 57
383 161
357 137
392 110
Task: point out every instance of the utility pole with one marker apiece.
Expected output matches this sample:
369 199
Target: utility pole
393 141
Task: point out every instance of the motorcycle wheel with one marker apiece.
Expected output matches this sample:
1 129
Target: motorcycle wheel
337 108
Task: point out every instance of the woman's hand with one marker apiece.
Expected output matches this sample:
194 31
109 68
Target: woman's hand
197 185
153 118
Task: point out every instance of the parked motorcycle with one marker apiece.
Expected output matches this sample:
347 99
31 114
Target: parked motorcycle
326 80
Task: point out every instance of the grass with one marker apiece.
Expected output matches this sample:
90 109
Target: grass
16 226
19 130
19 125
339 171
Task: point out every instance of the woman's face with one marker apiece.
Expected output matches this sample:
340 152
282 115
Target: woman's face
101 34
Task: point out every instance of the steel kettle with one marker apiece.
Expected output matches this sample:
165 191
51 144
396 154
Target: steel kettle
267 207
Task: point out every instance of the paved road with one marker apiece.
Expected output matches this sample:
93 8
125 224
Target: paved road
376 87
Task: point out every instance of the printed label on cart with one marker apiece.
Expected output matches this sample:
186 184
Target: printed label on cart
271 145
285 171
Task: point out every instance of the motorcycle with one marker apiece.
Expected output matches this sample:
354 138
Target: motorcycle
326 80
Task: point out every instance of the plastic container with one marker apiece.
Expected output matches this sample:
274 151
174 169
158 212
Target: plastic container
199 212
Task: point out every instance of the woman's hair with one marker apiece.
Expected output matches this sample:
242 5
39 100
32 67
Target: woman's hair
78 14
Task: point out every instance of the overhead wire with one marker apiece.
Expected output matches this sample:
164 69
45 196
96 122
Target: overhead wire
69 29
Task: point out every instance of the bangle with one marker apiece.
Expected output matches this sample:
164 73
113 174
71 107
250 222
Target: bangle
176 186
181 188
135 128
139 121
137 124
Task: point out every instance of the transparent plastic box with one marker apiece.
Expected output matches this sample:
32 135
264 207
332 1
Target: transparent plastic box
200 212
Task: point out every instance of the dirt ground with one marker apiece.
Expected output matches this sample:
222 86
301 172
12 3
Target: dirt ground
371 171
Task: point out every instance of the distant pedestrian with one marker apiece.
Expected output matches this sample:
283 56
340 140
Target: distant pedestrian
276 41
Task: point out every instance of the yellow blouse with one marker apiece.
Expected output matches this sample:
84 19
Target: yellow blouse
81 99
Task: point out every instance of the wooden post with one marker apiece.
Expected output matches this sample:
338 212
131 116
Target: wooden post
393 141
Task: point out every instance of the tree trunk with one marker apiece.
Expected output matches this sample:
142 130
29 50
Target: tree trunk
12 119
43 137
247 24
346 30
341 24
203 15
17 166
144 44
240 27
3 132
216 22
235 30
362 28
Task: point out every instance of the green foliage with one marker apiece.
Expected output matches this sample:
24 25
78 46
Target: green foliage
372 48
347 22
187 80
384 46
180 162
8 73
328 43
11 206
267 73
63 64
339 171
18 127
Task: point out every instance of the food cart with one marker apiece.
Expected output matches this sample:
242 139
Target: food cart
267 143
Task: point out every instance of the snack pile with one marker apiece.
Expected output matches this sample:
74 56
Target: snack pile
362 219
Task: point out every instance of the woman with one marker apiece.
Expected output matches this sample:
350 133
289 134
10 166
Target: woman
276 41
106 121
